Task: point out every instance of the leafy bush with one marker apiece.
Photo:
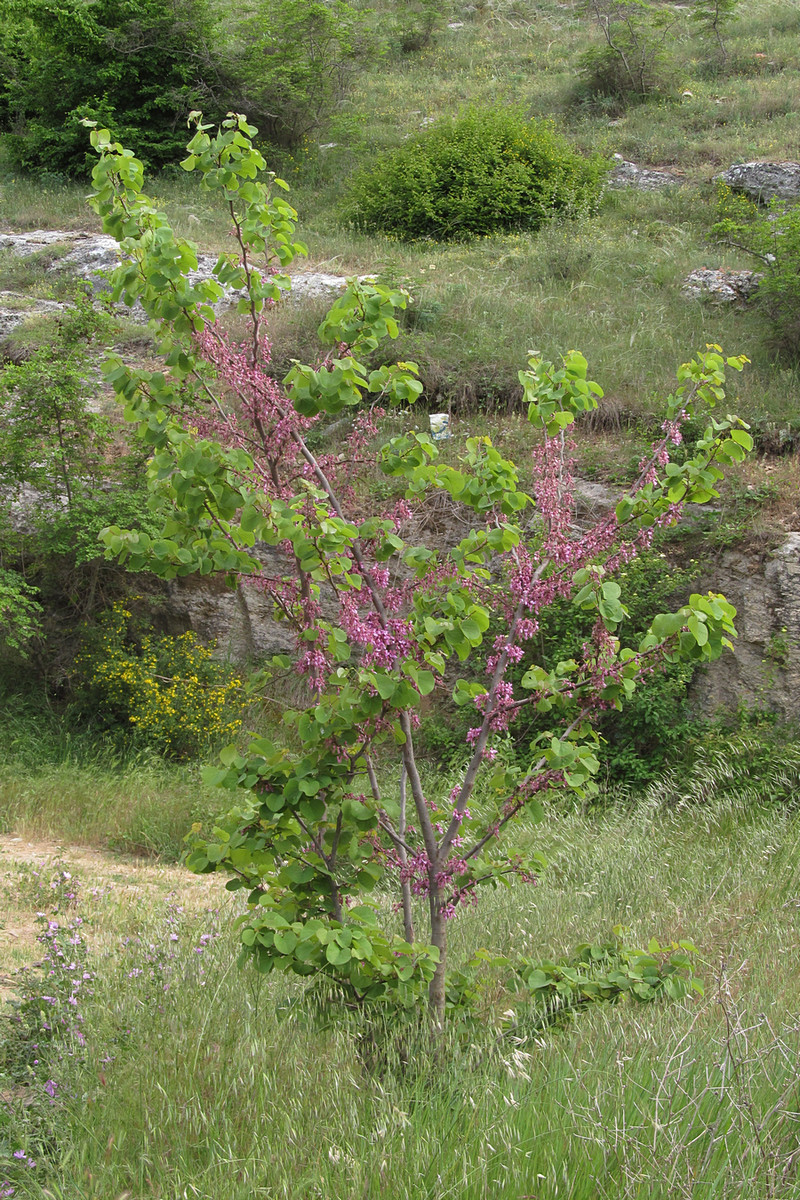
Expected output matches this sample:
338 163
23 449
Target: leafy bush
167 692
490 170
19 612
654 728
771 235
712 17
60 467
413 24
633 64
138 65
288 63
602 972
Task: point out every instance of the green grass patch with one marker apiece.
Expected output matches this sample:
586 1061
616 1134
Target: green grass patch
197 1077
61 779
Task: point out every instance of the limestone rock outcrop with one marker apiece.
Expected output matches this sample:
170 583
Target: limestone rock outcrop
765 670
764 181
627 174
719 286
86 254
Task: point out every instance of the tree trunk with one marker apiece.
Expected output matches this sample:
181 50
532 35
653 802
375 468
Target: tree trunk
408 922
436 992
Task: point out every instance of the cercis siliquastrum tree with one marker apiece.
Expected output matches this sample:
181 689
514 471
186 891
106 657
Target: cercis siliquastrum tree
315 836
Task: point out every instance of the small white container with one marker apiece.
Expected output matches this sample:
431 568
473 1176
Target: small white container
440 426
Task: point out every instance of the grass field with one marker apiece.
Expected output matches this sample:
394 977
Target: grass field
196 1078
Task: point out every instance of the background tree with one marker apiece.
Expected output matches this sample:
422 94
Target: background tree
633 64
140 66
289 63
713 16
771 235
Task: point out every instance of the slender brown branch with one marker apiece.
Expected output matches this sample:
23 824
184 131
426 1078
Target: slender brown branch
405 884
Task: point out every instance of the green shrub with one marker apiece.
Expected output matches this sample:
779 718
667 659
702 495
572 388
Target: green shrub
19 612
488 171
61 466
140 66
654 729
288 63
137 65
413 24
772 236
713 16
166 692
633 62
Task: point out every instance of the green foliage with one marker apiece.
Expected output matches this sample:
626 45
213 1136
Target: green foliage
165 692
488 171
289 63
595 972
772 235
140 66
657 724
607 971
62 473
413 23
137 65
633 65
49 440
298 922
712 17
19 612
654 727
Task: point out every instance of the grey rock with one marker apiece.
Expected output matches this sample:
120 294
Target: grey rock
764 672
592 500
89 253
318 285
764 180
23 506
16 309
241 621
720 286
25 244
627 174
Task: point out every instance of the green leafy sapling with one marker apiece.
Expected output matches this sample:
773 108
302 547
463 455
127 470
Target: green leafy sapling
315 837
713 17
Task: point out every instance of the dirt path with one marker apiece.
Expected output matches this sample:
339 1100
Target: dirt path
103 866
128 885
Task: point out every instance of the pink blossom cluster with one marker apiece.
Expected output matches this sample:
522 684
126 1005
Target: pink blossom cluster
385 641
